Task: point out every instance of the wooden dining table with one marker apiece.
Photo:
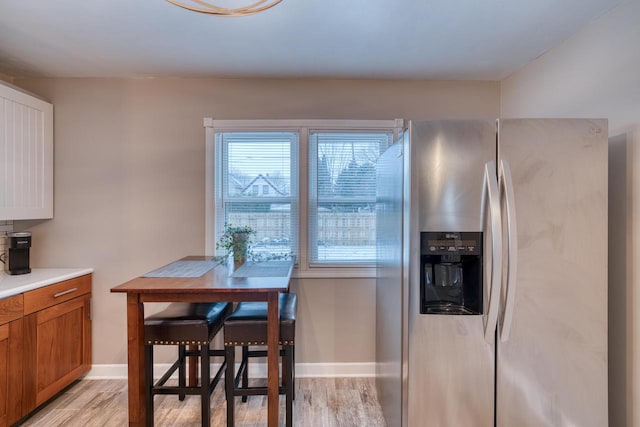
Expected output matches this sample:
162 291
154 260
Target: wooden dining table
253 281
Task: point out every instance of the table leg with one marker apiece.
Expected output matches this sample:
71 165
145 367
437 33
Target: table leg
273 338
135 345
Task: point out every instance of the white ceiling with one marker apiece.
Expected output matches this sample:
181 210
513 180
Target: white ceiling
414 39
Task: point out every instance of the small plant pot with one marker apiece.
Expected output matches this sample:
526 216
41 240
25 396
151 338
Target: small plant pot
237 263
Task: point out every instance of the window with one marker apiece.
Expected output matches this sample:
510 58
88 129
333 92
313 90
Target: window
342 191
307 187
246 161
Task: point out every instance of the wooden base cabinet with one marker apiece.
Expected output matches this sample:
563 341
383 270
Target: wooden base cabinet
11 351
57 349
45 345
10 372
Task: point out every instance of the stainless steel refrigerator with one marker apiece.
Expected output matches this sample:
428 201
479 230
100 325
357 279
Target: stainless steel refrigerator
491 289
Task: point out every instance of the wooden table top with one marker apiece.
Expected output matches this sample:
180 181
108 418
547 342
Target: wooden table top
266 276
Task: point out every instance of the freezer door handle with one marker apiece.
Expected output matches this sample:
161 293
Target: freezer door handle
507 196
494 223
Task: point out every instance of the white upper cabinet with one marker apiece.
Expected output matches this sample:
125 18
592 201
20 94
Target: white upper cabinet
26 156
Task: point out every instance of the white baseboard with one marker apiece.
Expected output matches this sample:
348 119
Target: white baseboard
256 370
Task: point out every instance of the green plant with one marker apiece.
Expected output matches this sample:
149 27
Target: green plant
236 240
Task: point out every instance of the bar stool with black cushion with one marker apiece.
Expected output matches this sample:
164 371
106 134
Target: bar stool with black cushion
247 326
184 324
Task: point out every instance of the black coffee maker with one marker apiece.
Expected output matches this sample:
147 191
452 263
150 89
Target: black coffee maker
17 258
450 273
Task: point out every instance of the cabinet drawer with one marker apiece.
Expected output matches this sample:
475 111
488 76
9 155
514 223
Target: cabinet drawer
11 308
55 294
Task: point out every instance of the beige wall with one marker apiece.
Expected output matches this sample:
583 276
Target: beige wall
596 73
129 183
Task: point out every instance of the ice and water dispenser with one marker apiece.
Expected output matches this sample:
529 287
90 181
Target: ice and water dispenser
451 273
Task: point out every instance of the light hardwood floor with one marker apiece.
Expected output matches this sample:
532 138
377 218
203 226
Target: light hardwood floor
320 402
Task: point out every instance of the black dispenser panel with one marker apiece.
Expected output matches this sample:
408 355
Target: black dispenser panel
451 272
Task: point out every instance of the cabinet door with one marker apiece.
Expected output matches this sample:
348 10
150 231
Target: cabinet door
10 372
57 349
26 156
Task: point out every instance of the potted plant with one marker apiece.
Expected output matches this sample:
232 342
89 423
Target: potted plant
236 241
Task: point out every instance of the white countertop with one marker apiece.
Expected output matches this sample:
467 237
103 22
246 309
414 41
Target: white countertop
39 277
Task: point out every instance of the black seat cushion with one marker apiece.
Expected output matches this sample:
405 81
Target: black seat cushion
248 324
186 323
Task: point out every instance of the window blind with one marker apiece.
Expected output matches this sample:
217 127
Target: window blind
257 186
342 195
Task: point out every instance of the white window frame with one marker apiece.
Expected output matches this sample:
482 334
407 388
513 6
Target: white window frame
303 268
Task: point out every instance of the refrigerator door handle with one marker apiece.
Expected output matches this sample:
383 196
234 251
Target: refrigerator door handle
506 186
492 197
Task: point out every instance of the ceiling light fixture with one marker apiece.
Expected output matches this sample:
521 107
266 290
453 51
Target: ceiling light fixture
212 9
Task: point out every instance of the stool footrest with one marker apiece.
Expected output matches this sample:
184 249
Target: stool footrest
216 353
261 353
160 388
255 391
238 378
174 390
